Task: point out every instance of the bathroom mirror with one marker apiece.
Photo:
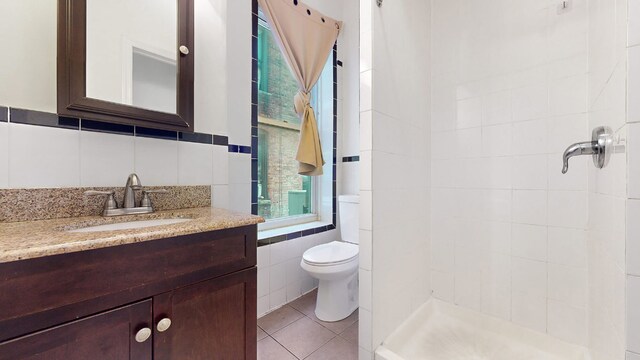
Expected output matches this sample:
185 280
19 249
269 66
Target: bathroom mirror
127 62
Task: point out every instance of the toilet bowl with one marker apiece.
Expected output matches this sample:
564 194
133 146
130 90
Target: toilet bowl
335 265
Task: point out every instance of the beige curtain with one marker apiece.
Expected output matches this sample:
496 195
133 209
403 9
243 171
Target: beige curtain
306 39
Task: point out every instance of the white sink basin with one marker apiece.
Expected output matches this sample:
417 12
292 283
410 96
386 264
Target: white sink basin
129 225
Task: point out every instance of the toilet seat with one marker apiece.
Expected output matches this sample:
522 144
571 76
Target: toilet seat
331 254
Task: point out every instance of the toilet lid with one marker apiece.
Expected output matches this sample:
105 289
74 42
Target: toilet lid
333 253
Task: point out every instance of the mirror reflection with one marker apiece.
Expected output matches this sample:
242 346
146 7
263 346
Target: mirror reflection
131 53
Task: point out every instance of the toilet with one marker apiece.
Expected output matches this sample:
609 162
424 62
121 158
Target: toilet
335 265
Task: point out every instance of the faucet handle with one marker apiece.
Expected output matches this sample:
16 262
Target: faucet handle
110 204
146 201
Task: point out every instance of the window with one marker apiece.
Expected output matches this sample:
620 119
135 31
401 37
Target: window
282 193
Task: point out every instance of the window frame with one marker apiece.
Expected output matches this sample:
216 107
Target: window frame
323 205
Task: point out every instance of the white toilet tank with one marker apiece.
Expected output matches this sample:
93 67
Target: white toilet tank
349 224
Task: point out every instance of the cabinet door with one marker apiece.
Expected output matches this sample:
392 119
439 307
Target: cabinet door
214 319
106 336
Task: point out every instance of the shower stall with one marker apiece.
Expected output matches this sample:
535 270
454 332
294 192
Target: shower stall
473 242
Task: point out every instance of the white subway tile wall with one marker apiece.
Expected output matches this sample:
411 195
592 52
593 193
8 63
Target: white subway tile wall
43 157
509 95
633 189
280 277
4 155
106 159
394 165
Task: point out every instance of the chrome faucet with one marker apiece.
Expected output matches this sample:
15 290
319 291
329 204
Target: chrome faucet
577 149
133 183
598 147
129 201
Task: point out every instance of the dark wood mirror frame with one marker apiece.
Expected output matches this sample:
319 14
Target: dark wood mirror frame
72 99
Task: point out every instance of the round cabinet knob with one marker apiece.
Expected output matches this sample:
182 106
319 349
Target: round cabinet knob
143 334
184 50
164 325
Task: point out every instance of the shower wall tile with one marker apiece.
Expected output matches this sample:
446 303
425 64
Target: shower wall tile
529 311
567 247
568 209
442 285
633 237
529 242
497 140
633 316
568 96
530 172
634 23
634 84
575 180
469 113
392 209
632 356
567 323
498 182
633 152
608 101
530 207
568 285
530 102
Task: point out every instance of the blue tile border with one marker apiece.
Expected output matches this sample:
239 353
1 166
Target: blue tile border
31 117
347 159
220 140
295 235
97 126
40 118
4 114
156 133
254 107
198 138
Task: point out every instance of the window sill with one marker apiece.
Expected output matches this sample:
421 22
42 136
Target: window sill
266 237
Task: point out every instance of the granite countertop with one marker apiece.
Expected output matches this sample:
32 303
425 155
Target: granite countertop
33 239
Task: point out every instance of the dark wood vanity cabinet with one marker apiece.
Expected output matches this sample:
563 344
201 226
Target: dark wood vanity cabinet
107 335
195 294
208 318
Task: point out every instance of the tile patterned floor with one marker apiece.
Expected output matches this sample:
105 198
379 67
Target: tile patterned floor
293 332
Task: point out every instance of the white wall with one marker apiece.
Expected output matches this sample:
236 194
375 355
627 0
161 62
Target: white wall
348 98
46 157
281 279
607 187
394 166
509 95
633 186
28 72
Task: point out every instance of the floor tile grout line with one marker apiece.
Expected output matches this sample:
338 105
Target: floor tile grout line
321 346
300 313
284 347
313 321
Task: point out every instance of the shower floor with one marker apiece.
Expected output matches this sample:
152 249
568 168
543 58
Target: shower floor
440 331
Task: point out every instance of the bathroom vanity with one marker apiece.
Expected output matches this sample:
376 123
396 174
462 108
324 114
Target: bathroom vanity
181 291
